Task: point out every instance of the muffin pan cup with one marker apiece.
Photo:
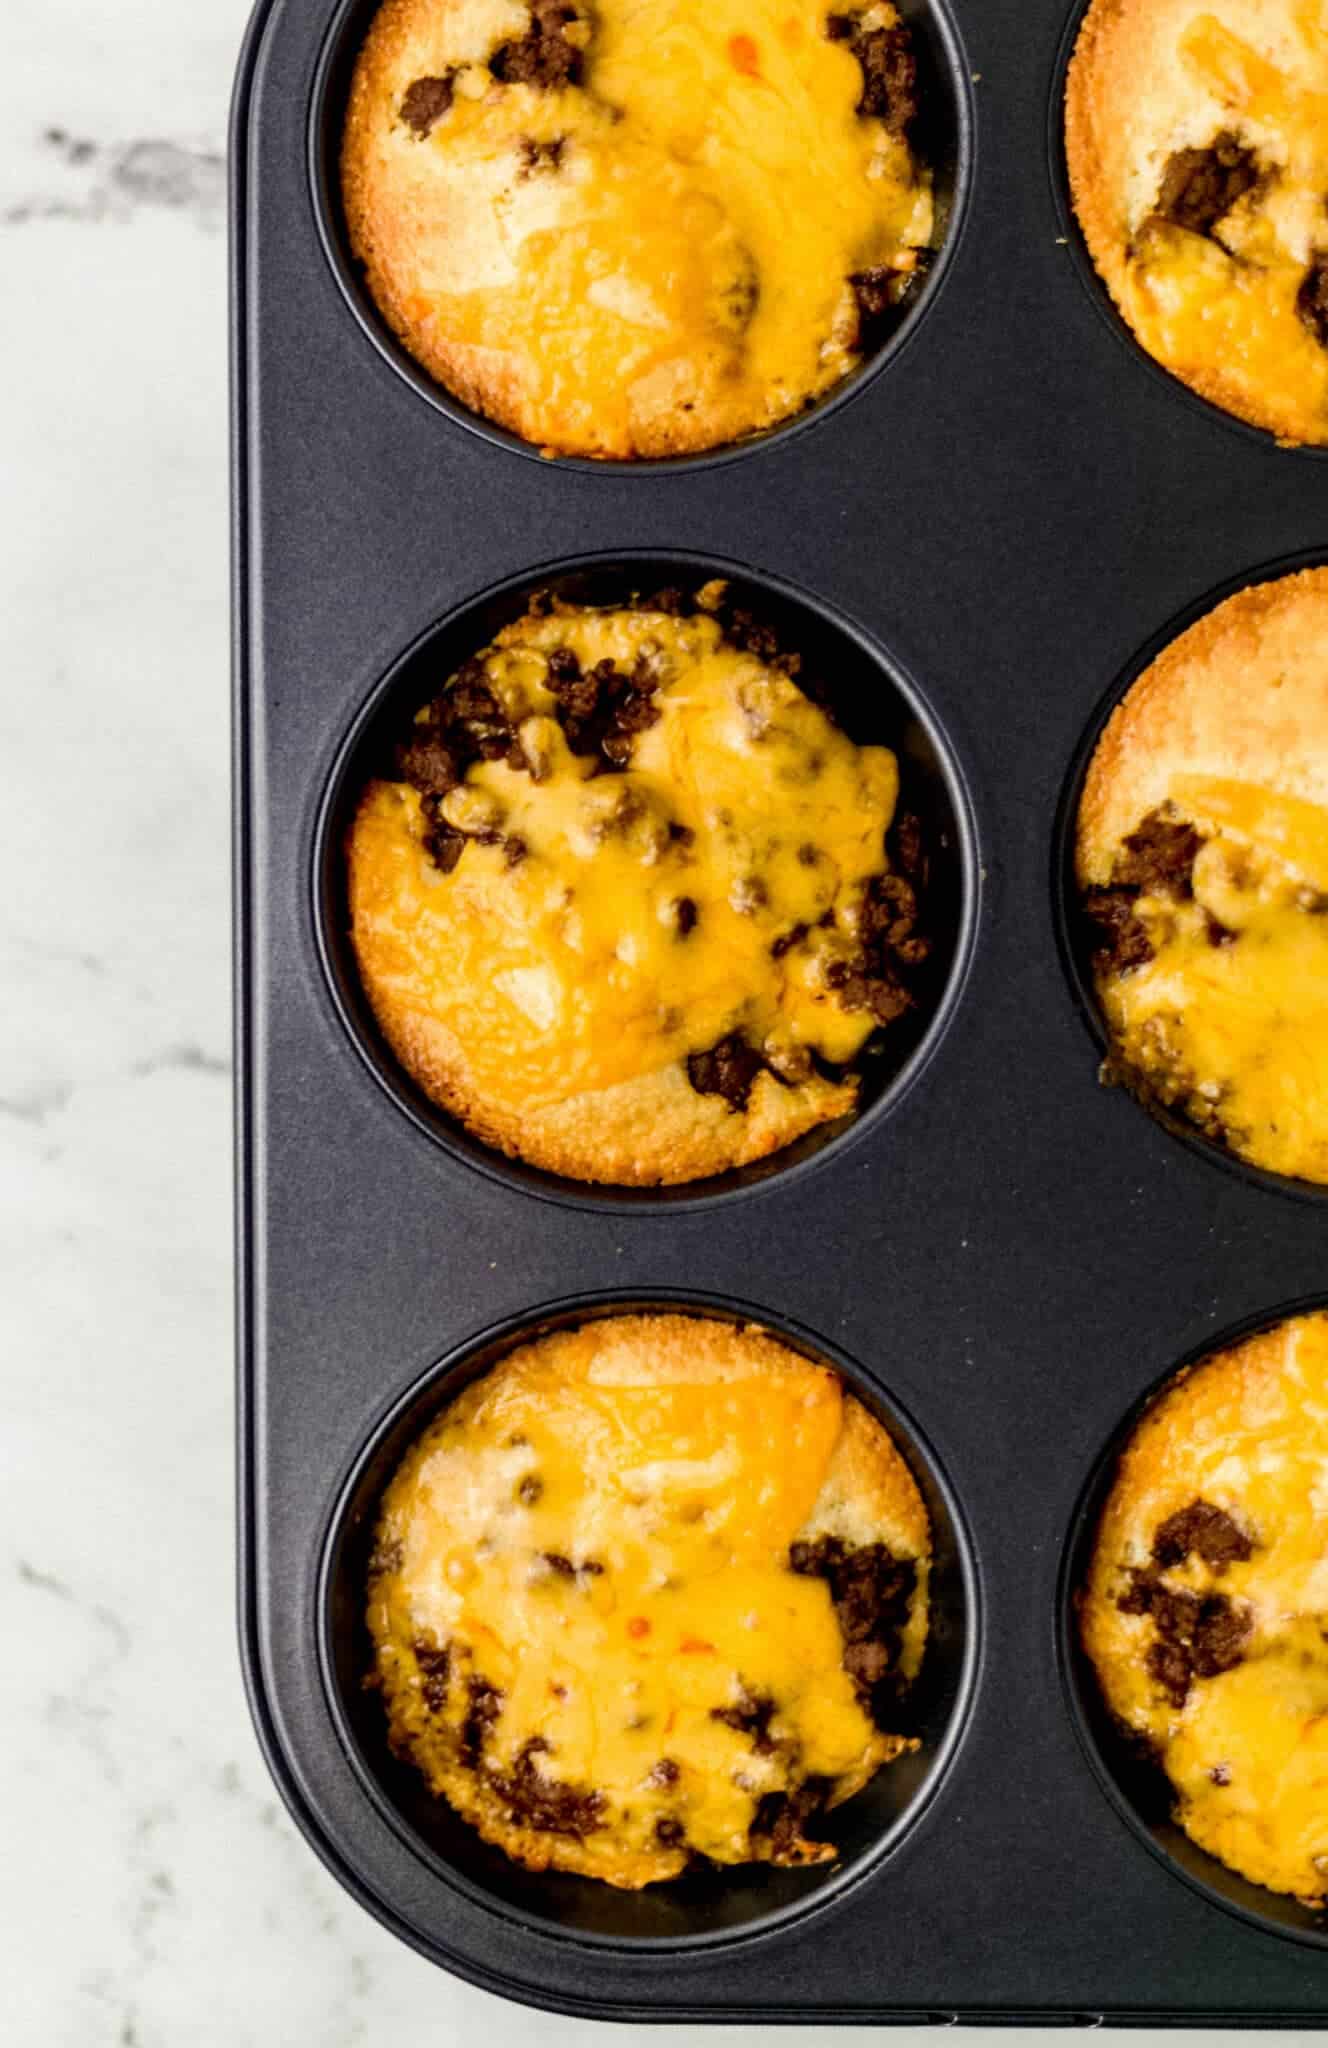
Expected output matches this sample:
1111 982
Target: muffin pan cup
712 1904
1010 507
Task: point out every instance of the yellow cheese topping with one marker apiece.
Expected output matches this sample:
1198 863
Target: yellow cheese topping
1230 1016
674 270
600 1535
1225 304
1248 1749
645 917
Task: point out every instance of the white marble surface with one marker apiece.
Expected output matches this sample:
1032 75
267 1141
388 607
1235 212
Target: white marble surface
152 1894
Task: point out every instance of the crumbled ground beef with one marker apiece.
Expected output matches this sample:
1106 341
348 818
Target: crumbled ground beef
889 68
425 102
670 1833
465 723
539 156
889 946
750 635
872 1591
1210 1531
875 978
569 1568
601 710
1198 1634
434 1664
1156 860
534 1801
728 1069
542 56
1159 857
665 1772
1312 298
1200 186
786 941
750 1715
485 1706
882 296
781 1817
1121 938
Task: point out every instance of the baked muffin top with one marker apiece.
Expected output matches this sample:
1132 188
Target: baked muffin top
628 910
1202 851
635 229
1206 1610
651 1589
1197 140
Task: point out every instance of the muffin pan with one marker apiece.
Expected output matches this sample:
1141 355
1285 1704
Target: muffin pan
1001 1255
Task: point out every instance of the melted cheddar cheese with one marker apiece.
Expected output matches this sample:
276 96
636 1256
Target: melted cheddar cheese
711 886
1219 303
596 1539
675 269
1247 1750
1230 1016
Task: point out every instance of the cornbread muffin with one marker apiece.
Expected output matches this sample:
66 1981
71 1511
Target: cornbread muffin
626 908
1197 141
1206 1609
650 1591
626 229
1202 851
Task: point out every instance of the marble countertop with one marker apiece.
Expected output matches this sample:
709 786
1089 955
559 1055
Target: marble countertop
154 1895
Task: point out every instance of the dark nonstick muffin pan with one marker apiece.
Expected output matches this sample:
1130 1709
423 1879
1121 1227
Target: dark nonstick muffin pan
991 524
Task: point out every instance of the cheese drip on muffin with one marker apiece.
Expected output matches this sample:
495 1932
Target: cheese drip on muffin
636 230
651 1590
1198 150
1206 1610
1203 848
628 907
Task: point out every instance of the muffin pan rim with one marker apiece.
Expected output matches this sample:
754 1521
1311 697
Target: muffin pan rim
1079 1681
433 1388
1064 888
322 144
1095 286
819 1146
1215 1975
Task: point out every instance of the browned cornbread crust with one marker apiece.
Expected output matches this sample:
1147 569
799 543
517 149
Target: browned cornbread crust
636 230
630 910
1202 854
1196 148
1204 1610
650 1591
